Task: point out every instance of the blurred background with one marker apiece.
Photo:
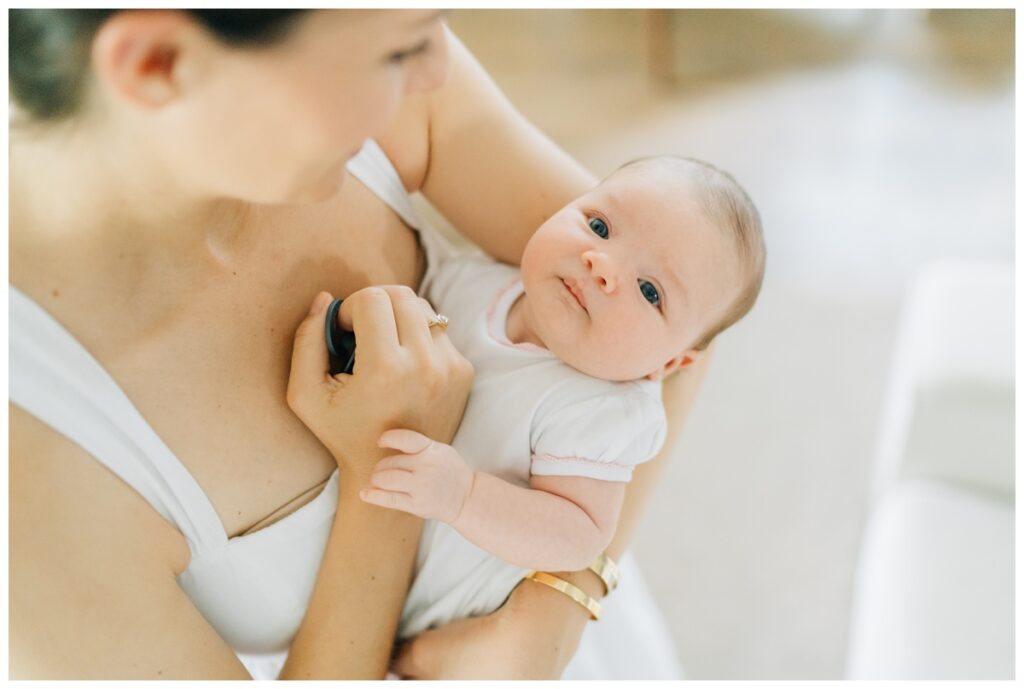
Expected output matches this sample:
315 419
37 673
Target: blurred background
873 142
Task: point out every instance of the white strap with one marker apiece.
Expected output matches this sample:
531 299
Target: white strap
373 168
55 379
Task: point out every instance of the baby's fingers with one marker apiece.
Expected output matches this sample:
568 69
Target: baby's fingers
404 440
393 480
404 462
389 499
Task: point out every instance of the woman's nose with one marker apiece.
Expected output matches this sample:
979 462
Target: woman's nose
602 268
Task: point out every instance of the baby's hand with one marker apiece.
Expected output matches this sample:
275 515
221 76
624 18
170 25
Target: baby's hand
430 480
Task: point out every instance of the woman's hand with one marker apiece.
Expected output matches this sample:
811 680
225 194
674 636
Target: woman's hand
471 648
407 375
529 637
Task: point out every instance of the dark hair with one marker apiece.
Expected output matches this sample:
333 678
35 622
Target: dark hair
49 49
729 206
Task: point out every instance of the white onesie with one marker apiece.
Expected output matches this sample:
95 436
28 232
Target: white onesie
528 413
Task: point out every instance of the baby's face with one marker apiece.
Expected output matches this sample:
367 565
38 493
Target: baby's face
625 279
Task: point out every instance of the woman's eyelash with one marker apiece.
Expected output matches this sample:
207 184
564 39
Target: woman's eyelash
400 56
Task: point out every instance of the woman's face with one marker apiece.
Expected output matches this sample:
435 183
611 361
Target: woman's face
276 124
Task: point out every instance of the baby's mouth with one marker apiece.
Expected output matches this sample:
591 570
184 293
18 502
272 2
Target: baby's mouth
576 292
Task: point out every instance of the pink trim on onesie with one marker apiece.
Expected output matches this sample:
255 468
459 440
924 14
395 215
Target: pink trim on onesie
499 331
585 460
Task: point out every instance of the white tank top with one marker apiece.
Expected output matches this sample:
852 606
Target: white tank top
253 589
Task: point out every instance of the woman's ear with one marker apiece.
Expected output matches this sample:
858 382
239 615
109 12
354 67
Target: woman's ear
135 54
674 364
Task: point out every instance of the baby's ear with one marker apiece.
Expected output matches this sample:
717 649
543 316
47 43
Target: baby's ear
674 364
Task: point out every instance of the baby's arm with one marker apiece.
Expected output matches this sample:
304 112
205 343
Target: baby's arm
559 523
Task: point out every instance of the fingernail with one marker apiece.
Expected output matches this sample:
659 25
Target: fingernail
319 302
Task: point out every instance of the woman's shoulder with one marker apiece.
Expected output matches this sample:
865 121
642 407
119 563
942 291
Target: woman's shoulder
67 508
93 590
83 546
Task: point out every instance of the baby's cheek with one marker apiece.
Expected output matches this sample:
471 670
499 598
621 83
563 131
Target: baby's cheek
609 355
636 353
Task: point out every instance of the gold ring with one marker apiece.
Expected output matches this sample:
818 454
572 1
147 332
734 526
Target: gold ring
438 320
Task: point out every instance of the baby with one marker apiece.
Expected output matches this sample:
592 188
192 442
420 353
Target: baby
623 286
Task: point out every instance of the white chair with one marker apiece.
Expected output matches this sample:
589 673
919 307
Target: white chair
933 594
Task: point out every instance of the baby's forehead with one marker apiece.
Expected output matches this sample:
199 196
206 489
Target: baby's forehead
648 189
667 204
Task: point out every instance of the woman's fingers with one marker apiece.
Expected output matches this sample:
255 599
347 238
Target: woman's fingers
389 316
368 313
411 315
404 440
448 651
309 354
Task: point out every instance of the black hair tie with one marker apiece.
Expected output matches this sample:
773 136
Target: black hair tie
341 343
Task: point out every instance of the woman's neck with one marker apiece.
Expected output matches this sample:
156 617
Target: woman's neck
86 204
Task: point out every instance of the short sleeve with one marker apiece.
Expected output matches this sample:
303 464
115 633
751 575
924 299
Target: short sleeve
601 436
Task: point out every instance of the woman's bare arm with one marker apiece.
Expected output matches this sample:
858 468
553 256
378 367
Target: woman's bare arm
492 174
353 613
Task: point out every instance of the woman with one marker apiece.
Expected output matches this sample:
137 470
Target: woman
175 209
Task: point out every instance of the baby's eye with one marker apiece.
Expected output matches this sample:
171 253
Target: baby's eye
650 292
599 227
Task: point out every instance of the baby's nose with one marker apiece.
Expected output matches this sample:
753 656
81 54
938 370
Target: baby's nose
602 269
